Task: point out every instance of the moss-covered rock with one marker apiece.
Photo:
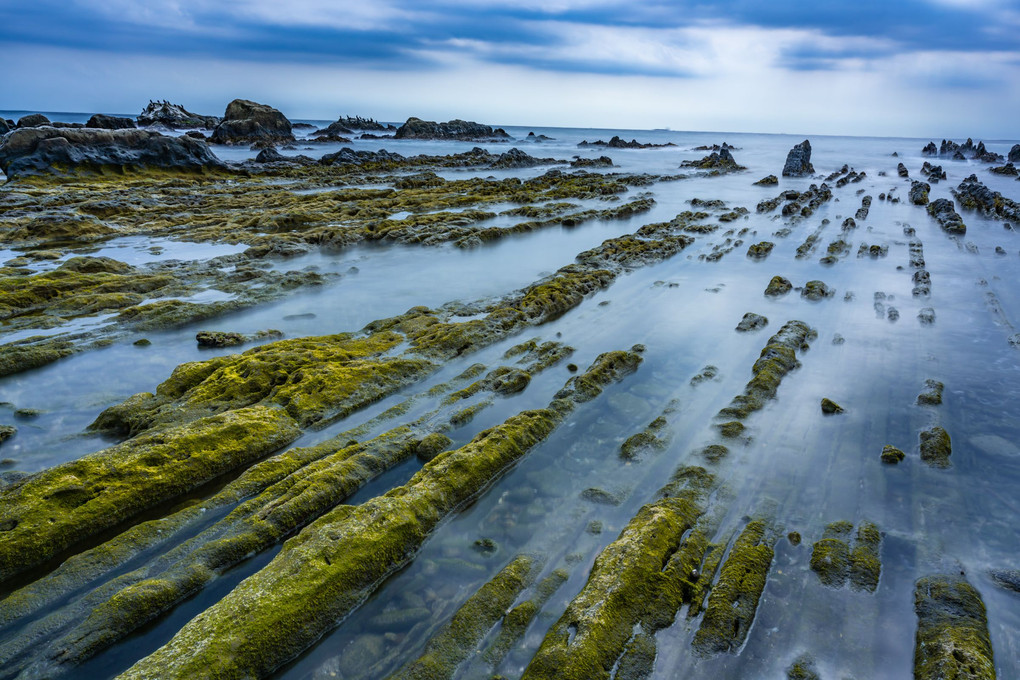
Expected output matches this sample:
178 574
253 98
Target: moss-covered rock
343 556
752 322
475 618
67 504
932 393
778 286
892 455
829 407
734 598
516 621
816 290
952 631
936 447
643 577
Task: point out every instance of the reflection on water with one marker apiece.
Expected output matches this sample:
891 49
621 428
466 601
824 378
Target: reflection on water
804 469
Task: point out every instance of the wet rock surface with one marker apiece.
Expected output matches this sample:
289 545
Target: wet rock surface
174 116
798 161
246 122
468 131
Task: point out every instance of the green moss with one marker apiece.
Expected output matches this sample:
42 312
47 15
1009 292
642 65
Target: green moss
803 669
731 429
952 631
734 599
342 557
432 445
932 394
517 620
638 658
829 407
830 559
759 251
865 563
69 503
892 455
637 579
936 447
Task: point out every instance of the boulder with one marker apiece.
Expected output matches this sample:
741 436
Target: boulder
1014 154
174 116
901 170
333 132
41 151
246 122
798 161
33 120
416 128
769 181
919 193
105 122
930 149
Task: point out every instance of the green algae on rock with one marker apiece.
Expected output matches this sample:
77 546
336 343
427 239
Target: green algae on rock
734 598
65 505
936 447
517 620
952 631
344 555
829 407
642 578
837 564
932 393
892 455
472 621
778 286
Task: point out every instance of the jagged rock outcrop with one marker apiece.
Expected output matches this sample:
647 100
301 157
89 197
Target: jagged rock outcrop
722 161
174 116
41 151
974 195
961 152
918 194
1014 154
617 143
463 130
359 123
944 212
247 122
901 170
798 161
104 122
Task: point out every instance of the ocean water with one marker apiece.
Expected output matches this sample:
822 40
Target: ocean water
798 467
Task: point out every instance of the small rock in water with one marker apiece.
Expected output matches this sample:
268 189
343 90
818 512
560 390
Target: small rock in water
892 455
6 432
752 322
829 407
1007 578
793 537
926 316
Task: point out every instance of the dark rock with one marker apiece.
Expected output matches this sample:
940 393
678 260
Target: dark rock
33 120
944 212
972 194
515 158
936 447
600 162
174 116
270 155
416 128
901 170
798 161
829 407
1006 578
348 156
752 322
919 193
617 143
720 161
816 290
359 123
195 134
333 132
232 339
6 432
926 316
1008 169
952 638
1014 154
778 286
245 122
759 251
930 149
892 455
4 127
40 151
771 180
105 122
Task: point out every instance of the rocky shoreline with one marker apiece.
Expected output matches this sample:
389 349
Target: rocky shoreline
342 461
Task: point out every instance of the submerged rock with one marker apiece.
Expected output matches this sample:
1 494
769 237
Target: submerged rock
40 151
245 122
798 161
232 339
752 322
174 116
464 130
932 393
6 432
936 447
944 212
1006 578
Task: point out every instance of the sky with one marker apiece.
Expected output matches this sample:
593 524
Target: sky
923 68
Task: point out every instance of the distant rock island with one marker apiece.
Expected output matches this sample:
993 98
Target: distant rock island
463 130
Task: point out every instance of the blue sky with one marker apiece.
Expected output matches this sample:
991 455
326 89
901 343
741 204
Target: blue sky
885 67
